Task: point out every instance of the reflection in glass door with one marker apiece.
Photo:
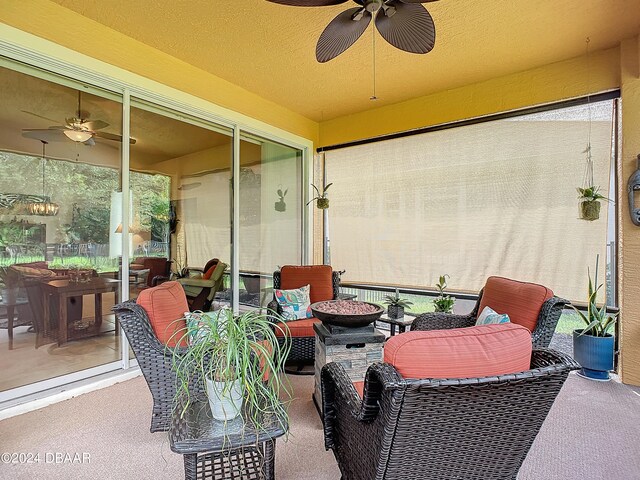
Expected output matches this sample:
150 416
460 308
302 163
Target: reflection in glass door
180 204
270 215
60 172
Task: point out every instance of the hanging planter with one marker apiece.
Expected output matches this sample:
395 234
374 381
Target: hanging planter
280 205
322 202
590 203
590 210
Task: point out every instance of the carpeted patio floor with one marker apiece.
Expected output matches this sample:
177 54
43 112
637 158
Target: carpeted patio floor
592 432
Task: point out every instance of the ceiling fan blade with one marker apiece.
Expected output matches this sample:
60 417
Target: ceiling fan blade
89 143
95 125
308 3
340 34
39 116
111 136
44 134
419 1
410 29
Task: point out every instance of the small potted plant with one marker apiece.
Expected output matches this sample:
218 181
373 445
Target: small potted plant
593 345
237 360
396 305
280 205
322 202
443 303
590 202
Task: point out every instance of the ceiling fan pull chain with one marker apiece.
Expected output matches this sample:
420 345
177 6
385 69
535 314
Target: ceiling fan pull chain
373 33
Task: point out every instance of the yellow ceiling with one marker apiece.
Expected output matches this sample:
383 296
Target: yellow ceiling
269 49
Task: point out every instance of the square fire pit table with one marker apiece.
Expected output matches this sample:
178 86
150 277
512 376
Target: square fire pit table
354 348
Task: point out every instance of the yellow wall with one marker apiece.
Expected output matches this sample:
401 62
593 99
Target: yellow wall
72 30
629 234
614 68
550 83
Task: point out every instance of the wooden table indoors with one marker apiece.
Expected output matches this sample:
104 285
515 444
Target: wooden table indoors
64 289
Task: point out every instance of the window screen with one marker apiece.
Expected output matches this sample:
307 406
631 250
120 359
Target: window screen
493 198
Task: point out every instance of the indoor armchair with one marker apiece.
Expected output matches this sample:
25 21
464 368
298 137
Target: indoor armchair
201 290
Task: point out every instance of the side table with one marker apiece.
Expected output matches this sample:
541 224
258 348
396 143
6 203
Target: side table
401 323
218 450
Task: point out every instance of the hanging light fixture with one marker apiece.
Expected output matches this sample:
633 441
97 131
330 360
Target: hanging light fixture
79 136
45 207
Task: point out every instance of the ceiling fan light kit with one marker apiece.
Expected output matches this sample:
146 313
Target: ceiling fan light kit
77 129
405 24
79 136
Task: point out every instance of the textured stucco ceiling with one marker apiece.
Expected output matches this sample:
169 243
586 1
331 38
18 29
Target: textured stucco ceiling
269 49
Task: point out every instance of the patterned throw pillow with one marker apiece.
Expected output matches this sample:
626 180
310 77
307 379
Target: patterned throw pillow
489 316
295 304
199 322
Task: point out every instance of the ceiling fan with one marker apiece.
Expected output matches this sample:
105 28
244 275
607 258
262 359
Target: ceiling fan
405 24
77 128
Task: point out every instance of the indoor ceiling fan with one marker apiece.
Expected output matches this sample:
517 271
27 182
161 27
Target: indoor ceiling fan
405 24
77 128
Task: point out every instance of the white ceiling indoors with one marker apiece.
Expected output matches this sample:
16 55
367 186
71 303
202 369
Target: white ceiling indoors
269 49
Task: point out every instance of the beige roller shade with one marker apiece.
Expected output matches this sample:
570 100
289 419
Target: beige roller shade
495 198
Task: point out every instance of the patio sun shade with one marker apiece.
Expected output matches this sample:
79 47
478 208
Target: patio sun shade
494 198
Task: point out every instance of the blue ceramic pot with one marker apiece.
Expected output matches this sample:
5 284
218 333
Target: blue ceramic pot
594 354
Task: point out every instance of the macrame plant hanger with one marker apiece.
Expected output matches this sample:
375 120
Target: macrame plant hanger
589 196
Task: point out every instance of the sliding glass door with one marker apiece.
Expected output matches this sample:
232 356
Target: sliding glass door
86 223
60 164
180 202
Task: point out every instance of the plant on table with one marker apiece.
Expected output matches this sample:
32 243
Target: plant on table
443 303
593 345
396 305
236 359
322 202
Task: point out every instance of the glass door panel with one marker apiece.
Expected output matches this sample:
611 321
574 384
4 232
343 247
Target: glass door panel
270 215
60 158
180 203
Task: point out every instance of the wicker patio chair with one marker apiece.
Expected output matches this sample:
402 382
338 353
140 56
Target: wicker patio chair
437 429
511 295
303 342
155 361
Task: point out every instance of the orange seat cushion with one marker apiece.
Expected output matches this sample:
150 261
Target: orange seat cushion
359 388
298 328
166 305
522 301
320 277
480 351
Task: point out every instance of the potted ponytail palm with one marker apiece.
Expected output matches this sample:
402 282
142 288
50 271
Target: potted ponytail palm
593 346
237 360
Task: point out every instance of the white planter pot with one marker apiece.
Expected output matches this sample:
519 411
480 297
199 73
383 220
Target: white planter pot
225 399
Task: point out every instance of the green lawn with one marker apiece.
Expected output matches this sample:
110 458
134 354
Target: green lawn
568 322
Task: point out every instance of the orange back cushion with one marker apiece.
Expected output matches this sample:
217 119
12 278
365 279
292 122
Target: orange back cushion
320 277
166 305
480 351
522 301
209 272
